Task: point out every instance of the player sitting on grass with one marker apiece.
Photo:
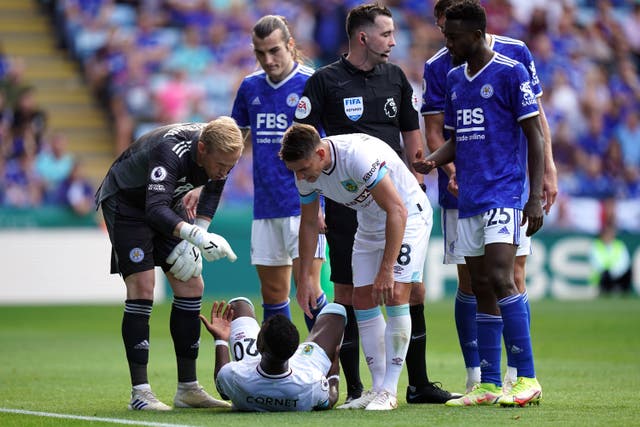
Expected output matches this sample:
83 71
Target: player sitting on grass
272 371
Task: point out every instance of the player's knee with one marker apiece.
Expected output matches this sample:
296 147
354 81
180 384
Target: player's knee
519 273
333 308
343 294
418 293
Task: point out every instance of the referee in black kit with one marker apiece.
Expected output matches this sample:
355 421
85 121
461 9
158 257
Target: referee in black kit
363 92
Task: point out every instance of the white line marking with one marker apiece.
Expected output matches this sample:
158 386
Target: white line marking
85 418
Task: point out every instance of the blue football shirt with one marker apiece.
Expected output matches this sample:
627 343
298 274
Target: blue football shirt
434 85
491 150
267 108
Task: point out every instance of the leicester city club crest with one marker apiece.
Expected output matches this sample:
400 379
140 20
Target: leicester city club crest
486 91
350 185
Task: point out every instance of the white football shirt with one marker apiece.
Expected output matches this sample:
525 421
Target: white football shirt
303 387
359 162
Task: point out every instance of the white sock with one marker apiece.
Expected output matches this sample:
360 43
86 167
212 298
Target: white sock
396 344
511 375
190 384
473 376
142 387
371 328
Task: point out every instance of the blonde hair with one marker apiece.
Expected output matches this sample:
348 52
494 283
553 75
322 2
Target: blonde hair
222 134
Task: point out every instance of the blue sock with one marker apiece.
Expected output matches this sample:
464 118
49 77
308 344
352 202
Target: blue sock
525 298
273 309
489 347
321 301
516 334
465 315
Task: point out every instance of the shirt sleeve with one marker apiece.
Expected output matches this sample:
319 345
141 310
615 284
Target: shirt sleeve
527 60
449 116
310 106
307 193
433 90
321 394
224 381
210 198
240 112
163 170
525 102
409 106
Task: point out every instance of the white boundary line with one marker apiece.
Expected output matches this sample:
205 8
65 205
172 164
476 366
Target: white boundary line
85 418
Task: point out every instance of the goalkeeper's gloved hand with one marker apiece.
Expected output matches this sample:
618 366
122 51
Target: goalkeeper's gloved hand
213 246
186 261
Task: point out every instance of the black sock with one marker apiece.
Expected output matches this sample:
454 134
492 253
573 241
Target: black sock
185 331
350 351
416 362
135 335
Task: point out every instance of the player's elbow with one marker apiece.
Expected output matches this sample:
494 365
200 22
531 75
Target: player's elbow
399 211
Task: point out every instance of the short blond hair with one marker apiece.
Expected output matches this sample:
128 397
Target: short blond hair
222 134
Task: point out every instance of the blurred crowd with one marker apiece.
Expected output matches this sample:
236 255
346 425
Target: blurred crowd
160 61
36 168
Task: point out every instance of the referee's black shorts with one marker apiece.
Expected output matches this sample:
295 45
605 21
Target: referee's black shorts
341 229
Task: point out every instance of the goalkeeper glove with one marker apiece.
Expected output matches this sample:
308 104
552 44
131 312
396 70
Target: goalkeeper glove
213 246
186 261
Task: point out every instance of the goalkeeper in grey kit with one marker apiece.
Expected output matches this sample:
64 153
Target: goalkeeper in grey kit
141 200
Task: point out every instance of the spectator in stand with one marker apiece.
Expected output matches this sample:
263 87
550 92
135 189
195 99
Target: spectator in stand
86 25
625 86
77 192
3 180
131 102
594 140
29 121
150 46
631 28
592 181
53 164
191 54
5 63
23 186
187 13
175 97
628 134
329 34
6 117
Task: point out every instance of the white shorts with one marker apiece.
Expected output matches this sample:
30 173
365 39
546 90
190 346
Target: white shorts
244 336
274 241
450 232
368 250
499 225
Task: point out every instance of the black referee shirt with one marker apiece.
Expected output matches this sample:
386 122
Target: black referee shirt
341 98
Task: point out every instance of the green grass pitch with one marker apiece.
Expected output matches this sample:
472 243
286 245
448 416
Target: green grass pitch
69 360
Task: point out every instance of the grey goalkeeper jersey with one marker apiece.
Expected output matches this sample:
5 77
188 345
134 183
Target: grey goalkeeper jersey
157 170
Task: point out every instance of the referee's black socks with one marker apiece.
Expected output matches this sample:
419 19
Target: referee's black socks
350 354
416 355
